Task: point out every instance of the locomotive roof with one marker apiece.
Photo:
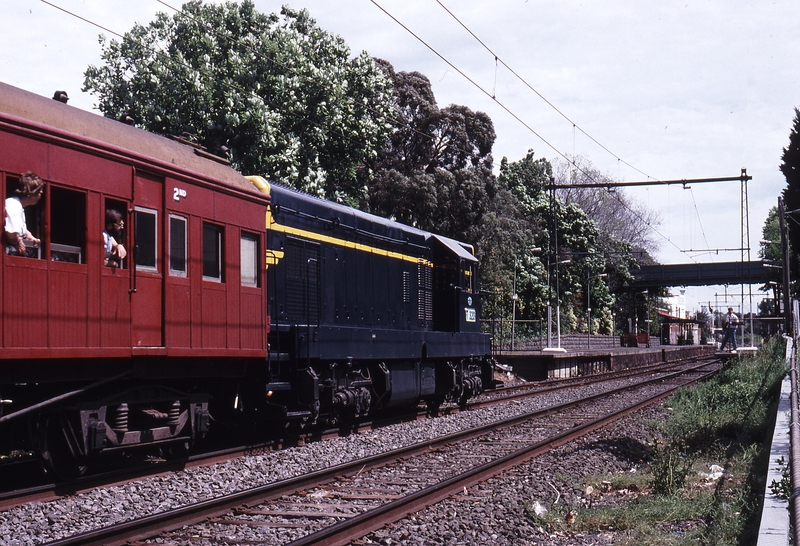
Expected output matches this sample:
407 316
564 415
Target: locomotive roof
319 205
59 118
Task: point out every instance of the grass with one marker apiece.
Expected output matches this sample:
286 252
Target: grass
673 499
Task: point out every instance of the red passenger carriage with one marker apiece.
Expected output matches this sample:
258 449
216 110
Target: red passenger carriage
138 349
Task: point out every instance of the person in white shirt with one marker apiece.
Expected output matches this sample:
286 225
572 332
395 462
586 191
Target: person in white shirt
731 322
28 192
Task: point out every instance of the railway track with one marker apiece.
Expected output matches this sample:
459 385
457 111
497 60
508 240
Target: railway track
519 391
338 504
45 492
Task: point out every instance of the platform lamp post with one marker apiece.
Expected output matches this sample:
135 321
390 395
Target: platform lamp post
514 298
645 293
647 319
552 250
589 307
549 347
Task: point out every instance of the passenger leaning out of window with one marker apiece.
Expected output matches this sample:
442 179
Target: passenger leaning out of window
114 251
28 192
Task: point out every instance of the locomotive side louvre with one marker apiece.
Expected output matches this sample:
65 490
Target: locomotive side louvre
143 348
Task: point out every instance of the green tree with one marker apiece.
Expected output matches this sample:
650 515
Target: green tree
280 93
790 167
435 170
577 243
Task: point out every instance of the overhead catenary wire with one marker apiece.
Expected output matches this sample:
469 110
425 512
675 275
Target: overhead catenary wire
472 81
575 126
514 115
700 221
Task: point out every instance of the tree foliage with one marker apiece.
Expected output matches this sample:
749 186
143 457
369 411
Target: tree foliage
435 171
617 217
790 167
280 93
568 262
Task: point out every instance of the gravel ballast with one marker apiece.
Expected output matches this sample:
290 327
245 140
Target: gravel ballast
37 523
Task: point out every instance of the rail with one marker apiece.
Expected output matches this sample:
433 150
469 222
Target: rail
172 519
794 431
349 530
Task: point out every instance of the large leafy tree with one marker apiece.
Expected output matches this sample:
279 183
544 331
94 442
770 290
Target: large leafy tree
790 167
542 216
435 171
284 96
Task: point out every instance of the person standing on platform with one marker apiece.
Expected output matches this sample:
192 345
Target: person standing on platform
731 322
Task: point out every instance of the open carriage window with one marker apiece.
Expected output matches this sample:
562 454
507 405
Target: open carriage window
33 216
67 225
115 246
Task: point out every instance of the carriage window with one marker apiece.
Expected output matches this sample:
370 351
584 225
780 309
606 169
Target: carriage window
33 218
177 246
249 263
68 225
145 234
114 222
212 252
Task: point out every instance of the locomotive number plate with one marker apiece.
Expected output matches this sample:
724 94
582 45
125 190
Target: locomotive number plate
470 315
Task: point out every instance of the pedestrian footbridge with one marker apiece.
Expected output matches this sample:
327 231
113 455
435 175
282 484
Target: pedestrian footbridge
702 274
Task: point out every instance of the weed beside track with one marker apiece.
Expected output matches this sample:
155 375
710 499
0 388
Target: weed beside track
702 476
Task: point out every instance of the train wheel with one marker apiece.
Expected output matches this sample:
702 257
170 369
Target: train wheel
60 450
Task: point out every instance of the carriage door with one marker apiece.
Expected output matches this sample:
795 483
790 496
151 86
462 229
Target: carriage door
147 306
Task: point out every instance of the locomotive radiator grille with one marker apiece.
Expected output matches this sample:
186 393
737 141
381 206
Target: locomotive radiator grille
302 281
425 292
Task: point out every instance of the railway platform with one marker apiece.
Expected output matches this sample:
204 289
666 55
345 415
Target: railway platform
541 364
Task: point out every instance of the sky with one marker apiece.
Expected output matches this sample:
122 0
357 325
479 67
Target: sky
643 91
